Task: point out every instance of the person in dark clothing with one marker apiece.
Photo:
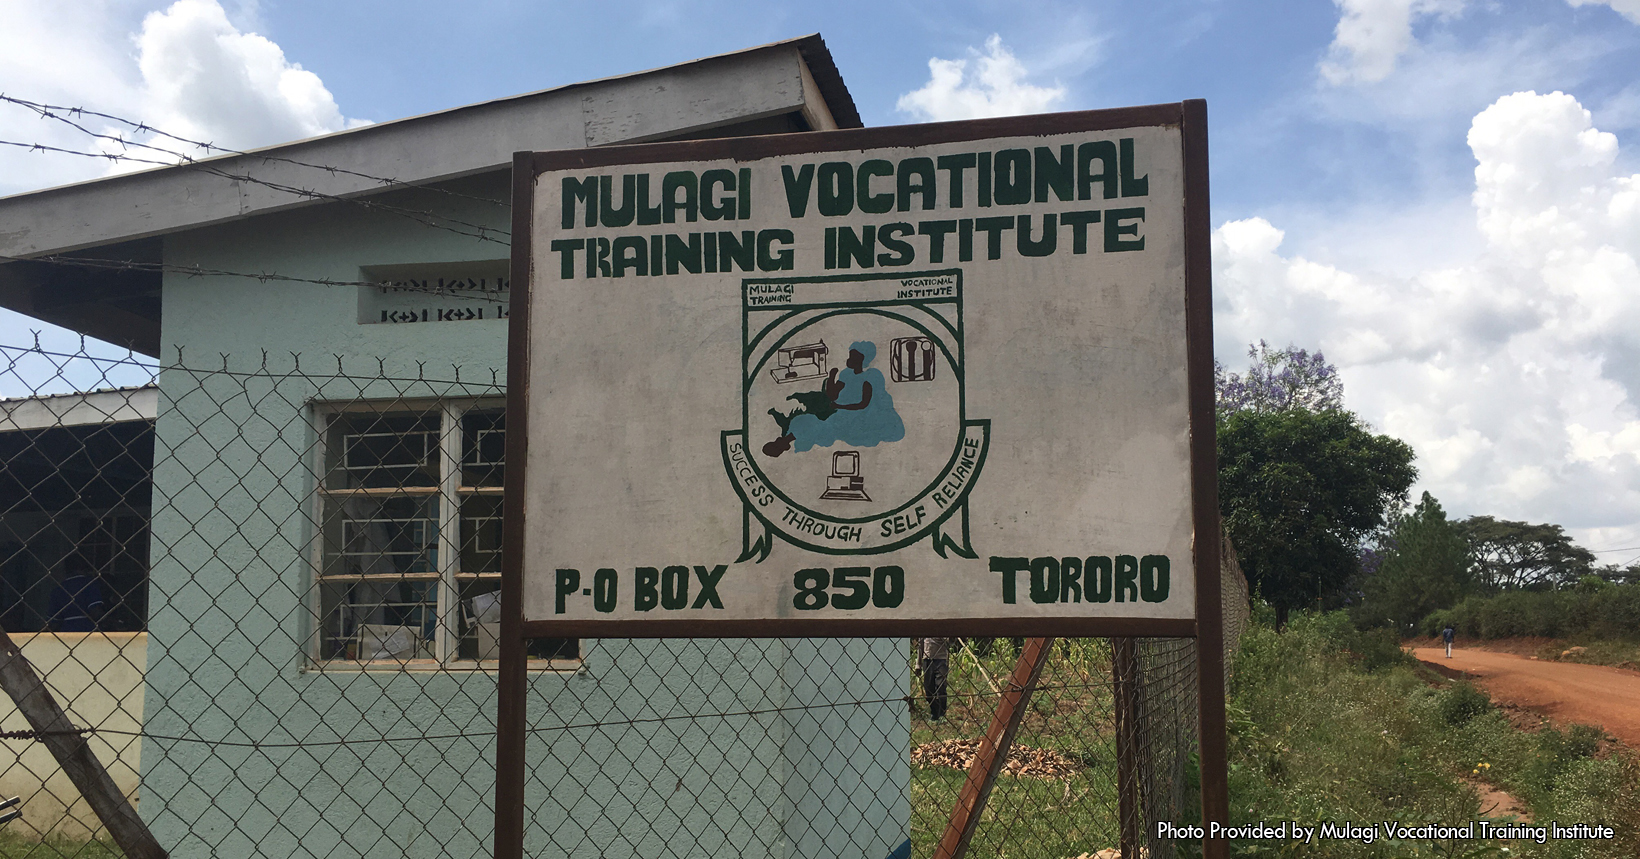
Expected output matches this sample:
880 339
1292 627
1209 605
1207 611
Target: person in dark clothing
1447 635
935 662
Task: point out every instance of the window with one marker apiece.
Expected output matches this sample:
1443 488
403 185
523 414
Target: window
409 550
115 547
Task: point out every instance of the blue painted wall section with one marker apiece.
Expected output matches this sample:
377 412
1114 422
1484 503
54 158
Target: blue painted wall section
230 619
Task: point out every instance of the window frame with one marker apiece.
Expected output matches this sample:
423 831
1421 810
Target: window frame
448 575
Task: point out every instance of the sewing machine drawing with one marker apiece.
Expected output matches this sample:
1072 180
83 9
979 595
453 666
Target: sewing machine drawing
797 363
845 482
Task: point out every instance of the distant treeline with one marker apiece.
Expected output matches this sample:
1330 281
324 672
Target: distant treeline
1592 607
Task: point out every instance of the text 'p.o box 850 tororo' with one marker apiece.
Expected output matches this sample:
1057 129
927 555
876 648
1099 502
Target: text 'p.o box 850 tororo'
951 377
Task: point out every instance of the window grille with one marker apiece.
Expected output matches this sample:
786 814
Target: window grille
409 556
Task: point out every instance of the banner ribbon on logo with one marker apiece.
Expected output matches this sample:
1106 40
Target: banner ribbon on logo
939 511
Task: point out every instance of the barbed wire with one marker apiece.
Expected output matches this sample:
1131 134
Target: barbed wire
203 271
418 215
13 353
35 735
56 111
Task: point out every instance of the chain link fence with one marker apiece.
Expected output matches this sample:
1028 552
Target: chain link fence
266 594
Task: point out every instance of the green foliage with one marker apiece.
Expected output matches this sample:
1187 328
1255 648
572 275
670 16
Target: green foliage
1298 490
1426 568
1461 702
1520 554
1590 583
16 846
1556 753
1380 648
1316 737
1069 714
1595 792
1607 611
1371 649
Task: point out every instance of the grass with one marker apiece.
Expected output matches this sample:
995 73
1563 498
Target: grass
1070 714
1596 651
1317 736
1326 724
16 846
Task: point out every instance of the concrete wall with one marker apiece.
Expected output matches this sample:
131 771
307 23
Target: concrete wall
97 678
228 619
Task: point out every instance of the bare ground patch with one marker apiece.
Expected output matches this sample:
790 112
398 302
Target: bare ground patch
1022 760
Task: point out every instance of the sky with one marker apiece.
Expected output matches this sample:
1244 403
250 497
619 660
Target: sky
1442 196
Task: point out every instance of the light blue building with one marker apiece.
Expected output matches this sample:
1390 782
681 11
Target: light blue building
326 495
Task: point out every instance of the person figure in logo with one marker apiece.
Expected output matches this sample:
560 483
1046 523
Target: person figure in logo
853 407
1447 635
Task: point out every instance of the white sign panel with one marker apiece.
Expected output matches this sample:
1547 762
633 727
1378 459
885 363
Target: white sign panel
945 380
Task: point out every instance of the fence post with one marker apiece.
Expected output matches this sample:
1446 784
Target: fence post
68 745
992 754
1125 678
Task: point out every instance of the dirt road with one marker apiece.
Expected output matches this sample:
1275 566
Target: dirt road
1564 691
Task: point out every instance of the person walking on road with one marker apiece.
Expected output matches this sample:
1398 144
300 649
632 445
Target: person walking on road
935 662
1447 635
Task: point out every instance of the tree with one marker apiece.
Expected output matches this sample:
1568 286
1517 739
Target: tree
1619 574
1508 555
1289 378
1425 568
1298 490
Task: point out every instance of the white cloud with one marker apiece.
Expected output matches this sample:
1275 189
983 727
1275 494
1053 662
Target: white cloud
1513 368
1629 9
186 69
1372 35
995 86
203 77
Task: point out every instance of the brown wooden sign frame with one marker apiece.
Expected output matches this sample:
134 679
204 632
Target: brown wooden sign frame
1207 627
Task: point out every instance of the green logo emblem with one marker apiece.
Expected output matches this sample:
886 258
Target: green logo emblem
854 434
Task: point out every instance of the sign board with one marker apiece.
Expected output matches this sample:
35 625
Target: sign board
953 376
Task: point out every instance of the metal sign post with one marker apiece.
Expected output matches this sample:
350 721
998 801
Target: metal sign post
946 379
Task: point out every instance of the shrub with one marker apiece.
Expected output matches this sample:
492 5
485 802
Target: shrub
1462 702
1605 610
1380 648
1597 792
1437 621
1556 752
1618 610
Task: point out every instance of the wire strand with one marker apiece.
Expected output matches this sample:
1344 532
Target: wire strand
648 720
202 271
55 111
426 218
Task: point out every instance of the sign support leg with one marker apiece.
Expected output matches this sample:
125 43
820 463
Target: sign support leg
512 677
993 750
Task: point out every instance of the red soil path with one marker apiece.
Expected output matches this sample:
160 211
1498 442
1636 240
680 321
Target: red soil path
1564 691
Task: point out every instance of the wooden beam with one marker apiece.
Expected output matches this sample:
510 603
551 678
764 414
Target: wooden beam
993 750
68 745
